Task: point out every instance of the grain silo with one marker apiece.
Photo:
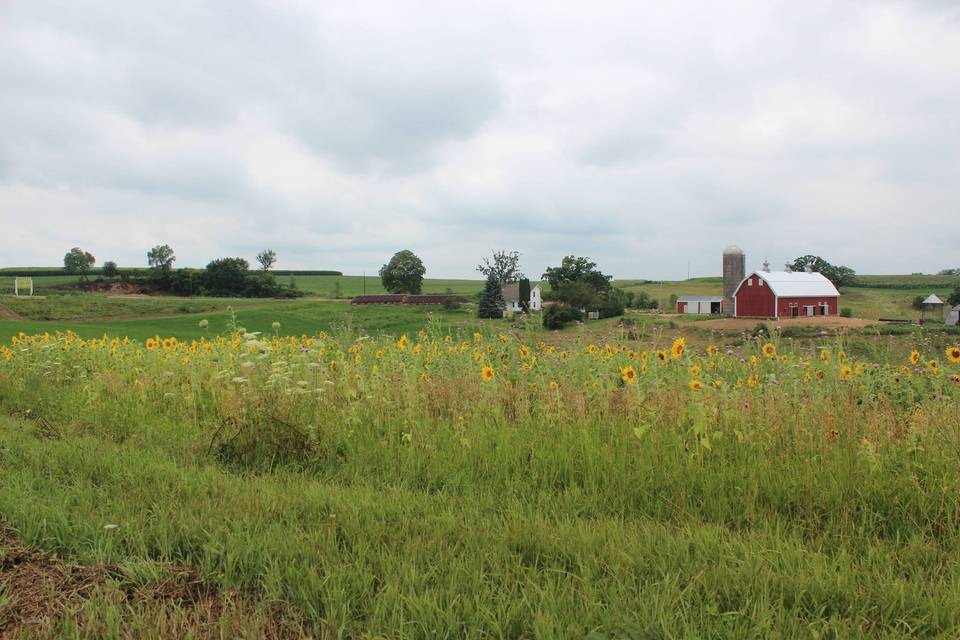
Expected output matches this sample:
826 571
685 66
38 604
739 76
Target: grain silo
734 271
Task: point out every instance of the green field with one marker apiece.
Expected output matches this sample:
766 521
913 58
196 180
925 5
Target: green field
481 486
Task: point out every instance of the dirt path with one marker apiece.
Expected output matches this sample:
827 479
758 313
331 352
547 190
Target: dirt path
745 324
6 313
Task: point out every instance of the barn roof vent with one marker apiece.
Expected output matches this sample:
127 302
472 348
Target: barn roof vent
766 266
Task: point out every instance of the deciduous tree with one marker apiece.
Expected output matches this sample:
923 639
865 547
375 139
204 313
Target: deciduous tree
78 261
403 274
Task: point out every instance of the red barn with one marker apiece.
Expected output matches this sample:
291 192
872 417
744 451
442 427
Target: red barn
785 294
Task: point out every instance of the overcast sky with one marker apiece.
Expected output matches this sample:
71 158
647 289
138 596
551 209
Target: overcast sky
646 135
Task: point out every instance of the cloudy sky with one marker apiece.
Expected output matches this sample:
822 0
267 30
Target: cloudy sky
647 135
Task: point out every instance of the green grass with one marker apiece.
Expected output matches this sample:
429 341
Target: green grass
381 506
296 317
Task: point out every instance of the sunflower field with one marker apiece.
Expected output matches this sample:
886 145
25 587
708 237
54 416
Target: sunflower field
493 485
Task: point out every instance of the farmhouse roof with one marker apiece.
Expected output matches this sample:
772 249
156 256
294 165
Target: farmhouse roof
797 284
699 298
933 299
511 292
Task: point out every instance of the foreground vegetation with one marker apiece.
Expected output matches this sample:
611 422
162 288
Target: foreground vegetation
476 485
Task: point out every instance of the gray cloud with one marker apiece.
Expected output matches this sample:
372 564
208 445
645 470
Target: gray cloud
645 135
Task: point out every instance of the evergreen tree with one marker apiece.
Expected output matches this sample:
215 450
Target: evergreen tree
491 300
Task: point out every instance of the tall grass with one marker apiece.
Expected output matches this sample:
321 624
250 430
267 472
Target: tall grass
478 485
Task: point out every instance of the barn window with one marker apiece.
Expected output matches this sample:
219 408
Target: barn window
760 282
750 282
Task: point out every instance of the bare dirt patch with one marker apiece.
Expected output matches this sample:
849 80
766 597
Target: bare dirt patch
7 313
38 590
736 325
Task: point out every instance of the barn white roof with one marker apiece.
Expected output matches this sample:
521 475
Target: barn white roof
933 299
797 284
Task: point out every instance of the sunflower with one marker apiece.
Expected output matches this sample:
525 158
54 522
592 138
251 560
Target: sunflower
820 374
845 372
934 366
953 354
717 383
628 375
753 380
662 355
694 371
553 385
524 351
486 374
712 351
403 343
678 346
824 356
151 344
168 343
695 385
769 350
914 357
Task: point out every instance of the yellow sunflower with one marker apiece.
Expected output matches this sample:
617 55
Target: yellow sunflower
845 372
151 344
953 354
168 343
486 374
403 343
934 366
678 346
694 371
628 375
769 350
712 351
662 355
914 357
695 384
753 380
553 385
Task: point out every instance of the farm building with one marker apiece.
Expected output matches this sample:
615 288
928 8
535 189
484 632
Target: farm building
953 318
399 298
700 304
785 294
511 296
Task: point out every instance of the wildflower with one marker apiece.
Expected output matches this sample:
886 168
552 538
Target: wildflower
718 383
403 343
845 372
934 366
953 354
678 346
712 351
662 355
151 344
553 385
628 375
168 343
694 371
769 350
914 357
486 374
754 360
753 380
695 385
524 351
824 356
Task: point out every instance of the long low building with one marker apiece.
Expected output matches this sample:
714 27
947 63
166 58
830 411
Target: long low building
785 294
707 305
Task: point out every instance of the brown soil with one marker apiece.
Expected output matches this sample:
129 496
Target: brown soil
745 324
7 313
41 589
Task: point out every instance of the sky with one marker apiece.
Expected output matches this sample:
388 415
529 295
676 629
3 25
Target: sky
645 135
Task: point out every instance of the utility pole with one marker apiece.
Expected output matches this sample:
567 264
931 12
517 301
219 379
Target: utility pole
364 283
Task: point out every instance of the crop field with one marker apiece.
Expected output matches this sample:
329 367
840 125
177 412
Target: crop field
454 483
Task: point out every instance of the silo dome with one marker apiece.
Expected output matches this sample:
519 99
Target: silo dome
733 250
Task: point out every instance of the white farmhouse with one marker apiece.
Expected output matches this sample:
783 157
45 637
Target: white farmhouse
511 296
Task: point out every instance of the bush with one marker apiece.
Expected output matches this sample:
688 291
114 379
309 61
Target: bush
846 312
556 316
760 330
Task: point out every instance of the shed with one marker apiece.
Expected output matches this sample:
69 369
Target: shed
954 316
700 304
785 294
